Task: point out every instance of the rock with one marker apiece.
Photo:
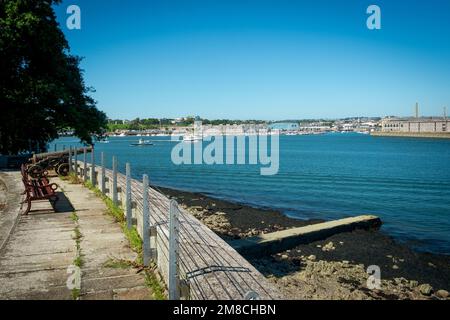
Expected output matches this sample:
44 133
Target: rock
426 289
395 267
400 281
328 247
319 246
345 261
413 284
312 258
443 294
284 257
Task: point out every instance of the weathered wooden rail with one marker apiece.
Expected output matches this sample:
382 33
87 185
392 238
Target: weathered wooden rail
194 262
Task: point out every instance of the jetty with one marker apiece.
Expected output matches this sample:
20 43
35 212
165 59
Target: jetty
429 135
284 240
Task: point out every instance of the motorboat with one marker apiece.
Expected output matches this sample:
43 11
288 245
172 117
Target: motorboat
142 143
189 137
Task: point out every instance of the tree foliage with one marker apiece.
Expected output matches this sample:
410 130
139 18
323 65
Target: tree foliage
42 90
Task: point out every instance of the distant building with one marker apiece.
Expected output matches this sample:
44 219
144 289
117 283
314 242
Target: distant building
416 124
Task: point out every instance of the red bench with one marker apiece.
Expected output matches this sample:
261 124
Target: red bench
38 189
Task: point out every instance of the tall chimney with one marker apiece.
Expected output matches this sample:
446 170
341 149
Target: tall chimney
417 110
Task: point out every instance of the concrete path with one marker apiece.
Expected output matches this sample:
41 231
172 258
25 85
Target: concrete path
40 248
11 188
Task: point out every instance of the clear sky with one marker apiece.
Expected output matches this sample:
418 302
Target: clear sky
261 59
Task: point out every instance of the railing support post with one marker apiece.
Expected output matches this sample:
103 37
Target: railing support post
128 197
145 222
174 292
93 177
70 160
75 165
102 184
85 164
114 182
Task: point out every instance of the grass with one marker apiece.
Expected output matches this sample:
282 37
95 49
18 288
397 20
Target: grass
152 282
76 293
135 242
78 261
74 217
118 264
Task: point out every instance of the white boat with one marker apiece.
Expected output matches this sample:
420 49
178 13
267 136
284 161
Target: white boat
142 143
190 137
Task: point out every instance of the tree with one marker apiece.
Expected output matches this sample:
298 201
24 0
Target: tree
42 90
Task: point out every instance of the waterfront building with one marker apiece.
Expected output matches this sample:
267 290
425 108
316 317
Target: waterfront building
416 125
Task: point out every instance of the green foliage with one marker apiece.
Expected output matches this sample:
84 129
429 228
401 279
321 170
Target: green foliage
42 90
157 289
76 293
152 123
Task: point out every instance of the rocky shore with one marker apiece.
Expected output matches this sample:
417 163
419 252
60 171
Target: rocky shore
335 268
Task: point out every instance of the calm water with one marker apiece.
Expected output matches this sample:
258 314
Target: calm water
404 181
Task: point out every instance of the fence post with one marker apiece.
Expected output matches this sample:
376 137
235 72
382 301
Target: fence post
114 182
75 165
145 222
85 164
93 177
174 292
70 160
128 197
103 187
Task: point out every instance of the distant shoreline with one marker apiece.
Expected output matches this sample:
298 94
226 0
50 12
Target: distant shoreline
412 135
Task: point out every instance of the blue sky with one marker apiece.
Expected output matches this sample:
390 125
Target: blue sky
263 59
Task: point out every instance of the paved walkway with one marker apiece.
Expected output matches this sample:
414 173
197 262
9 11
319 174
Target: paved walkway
38 249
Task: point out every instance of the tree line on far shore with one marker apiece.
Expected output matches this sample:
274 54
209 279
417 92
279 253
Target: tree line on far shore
164 123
